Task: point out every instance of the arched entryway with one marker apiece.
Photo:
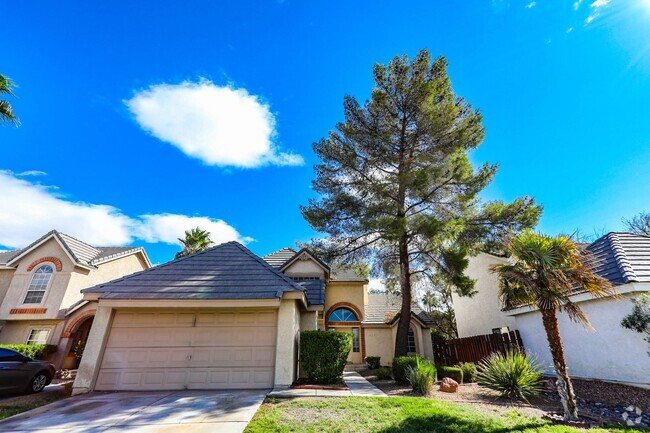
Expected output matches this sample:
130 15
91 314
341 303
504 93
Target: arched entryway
76 333
345 317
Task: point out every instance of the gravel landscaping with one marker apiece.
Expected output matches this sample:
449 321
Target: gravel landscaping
608 402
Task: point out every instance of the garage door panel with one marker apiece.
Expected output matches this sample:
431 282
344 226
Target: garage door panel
168 379
197 350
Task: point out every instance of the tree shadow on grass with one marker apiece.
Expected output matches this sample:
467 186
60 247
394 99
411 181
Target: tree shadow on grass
451 424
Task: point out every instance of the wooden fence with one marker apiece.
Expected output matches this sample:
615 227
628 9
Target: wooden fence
474 349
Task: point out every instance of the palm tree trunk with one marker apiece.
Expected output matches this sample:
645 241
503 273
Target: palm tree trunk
564 386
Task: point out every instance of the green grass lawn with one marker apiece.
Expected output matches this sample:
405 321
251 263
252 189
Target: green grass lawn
393 415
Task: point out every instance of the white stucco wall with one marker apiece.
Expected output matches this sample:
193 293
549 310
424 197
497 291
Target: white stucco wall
479 314
610 352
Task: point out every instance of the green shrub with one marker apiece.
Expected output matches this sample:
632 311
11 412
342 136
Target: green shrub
34 351
514 375
469 371
373 362
402 363
383 373
451 372
323 355
421 377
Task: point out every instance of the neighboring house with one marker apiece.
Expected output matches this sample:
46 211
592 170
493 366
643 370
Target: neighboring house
226 318
40 290
609 352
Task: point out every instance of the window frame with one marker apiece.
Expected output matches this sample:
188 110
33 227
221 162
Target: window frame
29 339
411 332
356 339
349 310
45 290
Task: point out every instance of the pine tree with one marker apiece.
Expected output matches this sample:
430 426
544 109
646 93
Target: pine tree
397 188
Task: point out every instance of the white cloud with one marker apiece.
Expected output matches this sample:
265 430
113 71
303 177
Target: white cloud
576 5
169 227
30 210
220 125
531 5
596 6
31 173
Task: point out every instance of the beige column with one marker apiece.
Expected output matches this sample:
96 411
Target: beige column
309 320
93 352
286 350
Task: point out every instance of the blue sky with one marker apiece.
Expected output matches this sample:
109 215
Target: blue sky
148 117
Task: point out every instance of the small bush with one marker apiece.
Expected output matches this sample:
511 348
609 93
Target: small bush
514 375
451 372
421 377
383 373
34 351
323 355
402 363
469 371
373 362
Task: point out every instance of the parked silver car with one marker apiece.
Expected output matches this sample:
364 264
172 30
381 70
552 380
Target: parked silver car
19 373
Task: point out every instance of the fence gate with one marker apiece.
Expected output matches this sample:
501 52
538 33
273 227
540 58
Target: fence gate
474 349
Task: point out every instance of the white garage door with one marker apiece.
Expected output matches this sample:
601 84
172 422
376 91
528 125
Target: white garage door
189 350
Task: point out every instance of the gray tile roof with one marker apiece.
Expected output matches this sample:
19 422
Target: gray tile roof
384 308
6 256
622 257
81 252
280 257
315 289
226 271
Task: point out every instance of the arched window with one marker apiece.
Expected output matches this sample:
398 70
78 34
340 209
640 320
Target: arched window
343 315
38 285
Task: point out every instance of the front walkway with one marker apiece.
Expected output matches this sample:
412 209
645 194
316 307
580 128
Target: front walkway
358 385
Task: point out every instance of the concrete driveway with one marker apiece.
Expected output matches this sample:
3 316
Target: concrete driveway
179 411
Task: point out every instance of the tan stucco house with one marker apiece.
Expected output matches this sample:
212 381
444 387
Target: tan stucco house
40 290
226 318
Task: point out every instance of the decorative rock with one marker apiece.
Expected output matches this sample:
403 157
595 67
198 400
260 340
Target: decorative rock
629 422
629 408
625 416
638 420
638 411
448 385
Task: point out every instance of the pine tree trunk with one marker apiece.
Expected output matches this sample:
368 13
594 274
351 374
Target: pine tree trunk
401 340
564 386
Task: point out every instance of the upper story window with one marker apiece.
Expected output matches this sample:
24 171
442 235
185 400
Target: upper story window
38 285
343 315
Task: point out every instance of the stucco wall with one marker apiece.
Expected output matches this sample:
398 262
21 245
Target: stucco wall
286 355
350 292
610 352
305 268
17 332
481 313
5 280
108 271
380 342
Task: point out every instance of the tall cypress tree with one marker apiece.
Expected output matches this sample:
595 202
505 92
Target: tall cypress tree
397 188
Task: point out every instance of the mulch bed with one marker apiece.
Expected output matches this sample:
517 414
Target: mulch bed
302 384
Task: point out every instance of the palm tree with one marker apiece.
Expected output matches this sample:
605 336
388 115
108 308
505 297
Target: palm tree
6 111
195 240
544 272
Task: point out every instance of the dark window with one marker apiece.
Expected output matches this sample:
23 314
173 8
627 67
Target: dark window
356 341
343 315
411 341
